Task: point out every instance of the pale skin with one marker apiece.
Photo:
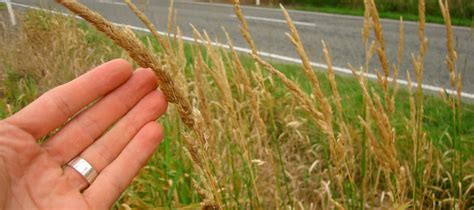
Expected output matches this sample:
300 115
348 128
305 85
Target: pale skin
116 134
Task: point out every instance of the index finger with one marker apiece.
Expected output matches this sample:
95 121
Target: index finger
54 107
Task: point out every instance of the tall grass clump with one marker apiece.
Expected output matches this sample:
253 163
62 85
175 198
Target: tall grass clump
243 132
46 51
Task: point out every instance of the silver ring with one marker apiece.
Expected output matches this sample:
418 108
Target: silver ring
84 168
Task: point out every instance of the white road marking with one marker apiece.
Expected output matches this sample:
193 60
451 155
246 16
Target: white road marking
274 56
112 2
117 3
275 20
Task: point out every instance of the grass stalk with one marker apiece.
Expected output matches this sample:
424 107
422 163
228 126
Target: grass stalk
456 83
128 41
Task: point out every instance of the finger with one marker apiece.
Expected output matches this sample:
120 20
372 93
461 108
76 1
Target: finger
55 106
103 151
116 177
84 129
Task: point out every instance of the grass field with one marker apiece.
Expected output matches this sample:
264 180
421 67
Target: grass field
270 140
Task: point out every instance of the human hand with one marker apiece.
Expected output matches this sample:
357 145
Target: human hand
32 175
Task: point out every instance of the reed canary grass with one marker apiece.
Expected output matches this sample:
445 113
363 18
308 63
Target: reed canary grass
259 134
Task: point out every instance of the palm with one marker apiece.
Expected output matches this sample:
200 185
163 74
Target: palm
33 173
36 175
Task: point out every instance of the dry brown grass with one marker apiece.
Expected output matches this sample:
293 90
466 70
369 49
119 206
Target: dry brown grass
44 45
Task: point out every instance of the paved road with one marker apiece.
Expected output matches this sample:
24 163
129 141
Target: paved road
341 33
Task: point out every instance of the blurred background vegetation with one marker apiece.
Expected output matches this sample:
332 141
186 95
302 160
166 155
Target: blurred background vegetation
462 11
458 8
